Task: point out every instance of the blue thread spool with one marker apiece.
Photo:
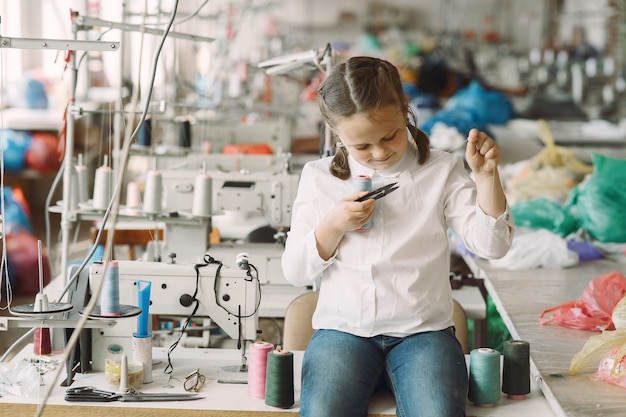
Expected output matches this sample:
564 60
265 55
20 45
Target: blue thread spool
363 183
184 133
145 133
484 377
110 295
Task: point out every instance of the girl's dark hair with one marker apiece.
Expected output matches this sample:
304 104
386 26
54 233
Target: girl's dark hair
363 85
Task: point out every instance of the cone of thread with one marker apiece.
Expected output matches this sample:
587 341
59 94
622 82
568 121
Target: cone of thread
257 367
279 389
516 369
484 377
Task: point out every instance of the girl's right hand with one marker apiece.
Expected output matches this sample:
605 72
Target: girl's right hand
348 214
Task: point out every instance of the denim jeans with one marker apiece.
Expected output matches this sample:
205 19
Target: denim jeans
426 373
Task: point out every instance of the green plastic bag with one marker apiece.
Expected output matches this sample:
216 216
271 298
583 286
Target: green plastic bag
542 213
599 203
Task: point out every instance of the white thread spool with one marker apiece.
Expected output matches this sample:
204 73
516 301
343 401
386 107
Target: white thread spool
82 181
133 195
202 196
142 353
73 203
102 187
152 199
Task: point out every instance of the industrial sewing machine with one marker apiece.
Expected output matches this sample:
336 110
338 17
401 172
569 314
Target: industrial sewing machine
241 202
229 296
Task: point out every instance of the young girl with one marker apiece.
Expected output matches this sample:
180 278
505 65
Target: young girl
385 303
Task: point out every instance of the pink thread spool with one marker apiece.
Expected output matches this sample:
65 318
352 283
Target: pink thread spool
257 368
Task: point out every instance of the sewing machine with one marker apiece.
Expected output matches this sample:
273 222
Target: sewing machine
241 202
229 296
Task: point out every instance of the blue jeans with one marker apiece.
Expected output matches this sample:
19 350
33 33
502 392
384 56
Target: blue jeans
426 373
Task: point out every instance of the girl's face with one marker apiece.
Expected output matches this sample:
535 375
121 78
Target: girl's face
377 140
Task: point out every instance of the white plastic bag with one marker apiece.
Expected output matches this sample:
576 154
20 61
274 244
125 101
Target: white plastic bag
535 249
21 379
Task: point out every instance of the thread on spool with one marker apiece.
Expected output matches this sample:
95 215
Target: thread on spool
133 195
257 366
102 187
202 196
484 377
110 295
184 133
152 198
363 183
516 369
145 133
279 388
82 181
41 341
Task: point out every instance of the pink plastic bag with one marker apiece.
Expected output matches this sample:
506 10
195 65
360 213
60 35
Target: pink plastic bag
592 311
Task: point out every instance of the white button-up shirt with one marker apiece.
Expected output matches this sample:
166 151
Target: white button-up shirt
394 278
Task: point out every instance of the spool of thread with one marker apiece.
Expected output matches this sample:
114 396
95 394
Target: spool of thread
42 344
363 183
516 369
102 187
202 196
73 202
110 294
257 366
145 133
279 390
152 198
82 182
484 377
142 353
184 133
133 195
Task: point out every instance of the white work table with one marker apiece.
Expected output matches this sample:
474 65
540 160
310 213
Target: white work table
220 399
520 297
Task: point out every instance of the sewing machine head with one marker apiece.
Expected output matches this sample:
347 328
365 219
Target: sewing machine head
227 296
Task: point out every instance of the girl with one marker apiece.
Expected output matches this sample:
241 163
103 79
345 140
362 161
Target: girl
385 304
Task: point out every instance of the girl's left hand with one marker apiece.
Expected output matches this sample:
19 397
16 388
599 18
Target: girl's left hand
482 153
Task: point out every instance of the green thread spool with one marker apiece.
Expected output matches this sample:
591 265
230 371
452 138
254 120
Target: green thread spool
279 390
516 369
484 377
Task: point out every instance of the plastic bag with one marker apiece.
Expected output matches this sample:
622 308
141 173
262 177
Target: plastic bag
535 249
20 379
487 106
599 202
552 172
542 213
611 367
594 309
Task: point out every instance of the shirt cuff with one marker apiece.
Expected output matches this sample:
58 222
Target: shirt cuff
489 222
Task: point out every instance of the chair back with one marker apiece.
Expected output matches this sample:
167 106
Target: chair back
298 327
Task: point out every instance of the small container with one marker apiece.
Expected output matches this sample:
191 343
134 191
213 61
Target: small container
113 372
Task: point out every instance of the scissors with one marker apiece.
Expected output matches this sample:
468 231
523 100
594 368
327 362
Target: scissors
92 394
379 192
